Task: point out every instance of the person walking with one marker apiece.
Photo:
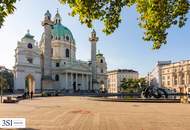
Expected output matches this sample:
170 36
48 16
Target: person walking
31 94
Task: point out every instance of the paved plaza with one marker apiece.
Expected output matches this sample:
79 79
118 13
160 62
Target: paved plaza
81 113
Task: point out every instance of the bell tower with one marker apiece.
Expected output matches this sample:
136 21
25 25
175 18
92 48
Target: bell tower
93 39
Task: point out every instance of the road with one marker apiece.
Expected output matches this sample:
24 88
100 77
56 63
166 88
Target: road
81 113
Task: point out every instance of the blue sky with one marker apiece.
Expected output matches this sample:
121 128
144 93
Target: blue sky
125 48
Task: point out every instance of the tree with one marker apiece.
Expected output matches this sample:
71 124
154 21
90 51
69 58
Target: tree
8 75
6 7
156 16
3 83
133 85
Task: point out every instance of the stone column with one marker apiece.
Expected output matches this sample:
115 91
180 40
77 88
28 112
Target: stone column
66 82
178 80
47 24
82 82
173 80
91 82
76 81
87 86
187 78
71 85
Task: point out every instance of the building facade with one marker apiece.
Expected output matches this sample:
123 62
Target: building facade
52 65
116 76
174 76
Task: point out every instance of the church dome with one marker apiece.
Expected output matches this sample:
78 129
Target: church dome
59 31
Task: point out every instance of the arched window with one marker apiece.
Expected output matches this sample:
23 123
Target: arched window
30 45
102 71
67 38
67 53
101 61
57 64
56 77
30 60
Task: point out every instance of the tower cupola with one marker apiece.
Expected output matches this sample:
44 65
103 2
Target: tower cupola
57 18
47 15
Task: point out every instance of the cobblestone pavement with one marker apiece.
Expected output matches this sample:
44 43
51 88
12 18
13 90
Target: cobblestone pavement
80 113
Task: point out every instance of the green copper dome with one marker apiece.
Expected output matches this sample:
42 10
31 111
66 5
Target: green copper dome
61 32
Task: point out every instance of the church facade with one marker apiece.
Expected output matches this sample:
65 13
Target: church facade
52 64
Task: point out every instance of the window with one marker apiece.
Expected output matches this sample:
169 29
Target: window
67 53
168 82
30 60
56 77
163 83
67 38
102 71
30 46
101 61
168 77
175 82
57 64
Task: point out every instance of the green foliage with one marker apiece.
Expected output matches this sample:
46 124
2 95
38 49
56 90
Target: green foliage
3 82
133 85
6 8
8 76
156 16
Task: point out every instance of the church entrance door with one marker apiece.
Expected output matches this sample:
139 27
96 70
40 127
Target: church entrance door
29 83
74 86
102 86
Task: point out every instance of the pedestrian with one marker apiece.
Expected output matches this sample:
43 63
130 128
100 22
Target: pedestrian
27 94
31 94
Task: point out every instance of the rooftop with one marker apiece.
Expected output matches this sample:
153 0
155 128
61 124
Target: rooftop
123 71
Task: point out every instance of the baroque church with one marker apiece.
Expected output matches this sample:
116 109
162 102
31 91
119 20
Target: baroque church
52 64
